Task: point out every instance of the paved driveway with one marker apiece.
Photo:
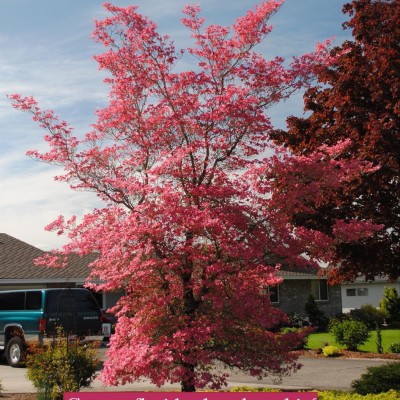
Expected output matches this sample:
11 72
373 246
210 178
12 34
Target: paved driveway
316 373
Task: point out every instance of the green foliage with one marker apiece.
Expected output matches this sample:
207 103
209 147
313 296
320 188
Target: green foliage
335 395
390 303
316 316
254 389
394 348
305 331
326 395
331 351
298 320
349 333
62 366
369 314
378 379
395 325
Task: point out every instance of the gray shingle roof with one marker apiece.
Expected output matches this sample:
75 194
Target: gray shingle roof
16 262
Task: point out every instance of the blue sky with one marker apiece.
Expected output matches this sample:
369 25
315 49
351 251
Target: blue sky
46 52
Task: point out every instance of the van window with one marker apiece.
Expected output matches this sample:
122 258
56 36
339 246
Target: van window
12 301
70 300
60 301
85 301
33 300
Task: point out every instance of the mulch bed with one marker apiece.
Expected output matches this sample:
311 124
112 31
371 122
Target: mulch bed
351 354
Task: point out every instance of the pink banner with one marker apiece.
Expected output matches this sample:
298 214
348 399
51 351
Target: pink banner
189 396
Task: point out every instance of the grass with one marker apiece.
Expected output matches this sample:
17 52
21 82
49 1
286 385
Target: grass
389 336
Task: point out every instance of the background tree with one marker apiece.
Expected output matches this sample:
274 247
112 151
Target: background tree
390 303
193 217
357 98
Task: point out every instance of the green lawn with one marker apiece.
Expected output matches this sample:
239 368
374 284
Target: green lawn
389 336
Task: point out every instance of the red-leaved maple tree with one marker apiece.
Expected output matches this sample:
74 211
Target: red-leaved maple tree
196 216
357 98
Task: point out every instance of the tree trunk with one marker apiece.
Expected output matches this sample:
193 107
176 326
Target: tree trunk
190 306
187 387
187 384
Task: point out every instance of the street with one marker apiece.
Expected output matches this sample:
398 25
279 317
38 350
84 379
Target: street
316 373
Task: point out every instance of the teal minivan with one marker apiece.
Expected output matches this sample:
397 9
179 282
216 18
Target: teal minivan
34 315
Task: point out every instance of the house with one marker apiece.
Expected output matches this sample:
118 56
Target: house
17 271
292 294
360 292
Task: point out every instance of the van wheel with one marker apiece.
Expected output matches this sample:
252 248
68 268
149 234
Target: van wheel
15 352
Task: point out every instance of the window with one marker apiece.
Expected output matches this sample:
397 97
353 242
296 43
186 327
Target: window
362 292
319 289
70 301
357 292
273 292
85 301
34 300
12 301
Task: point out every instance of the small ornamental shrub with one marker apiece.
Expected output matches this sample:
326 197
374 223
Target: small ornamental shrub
350 333
336 395
254 389
61 366
315 315
394 348
378 379
304 331
331 351
326 395
369 314
298 320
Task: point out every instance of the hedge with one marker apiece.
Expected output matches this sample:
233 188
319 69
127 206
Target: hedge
329 395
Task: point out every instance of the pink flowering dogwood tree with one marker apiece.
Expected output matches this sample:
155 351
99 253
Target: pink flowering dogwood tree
195 216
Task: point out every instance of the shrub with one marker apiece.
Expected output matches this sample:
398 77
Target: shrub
305 332
394 348
327 395
298 320
254 389
331 351
395 324
316 316
390 303
370 315
378 379
62 366
350 333
335 395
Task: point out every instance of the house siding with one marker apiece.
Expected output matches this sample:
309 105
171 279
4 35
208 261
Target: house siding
294 293
374 294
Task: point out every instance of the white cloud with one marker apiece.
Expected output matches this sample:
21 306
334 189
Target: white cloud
31 199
